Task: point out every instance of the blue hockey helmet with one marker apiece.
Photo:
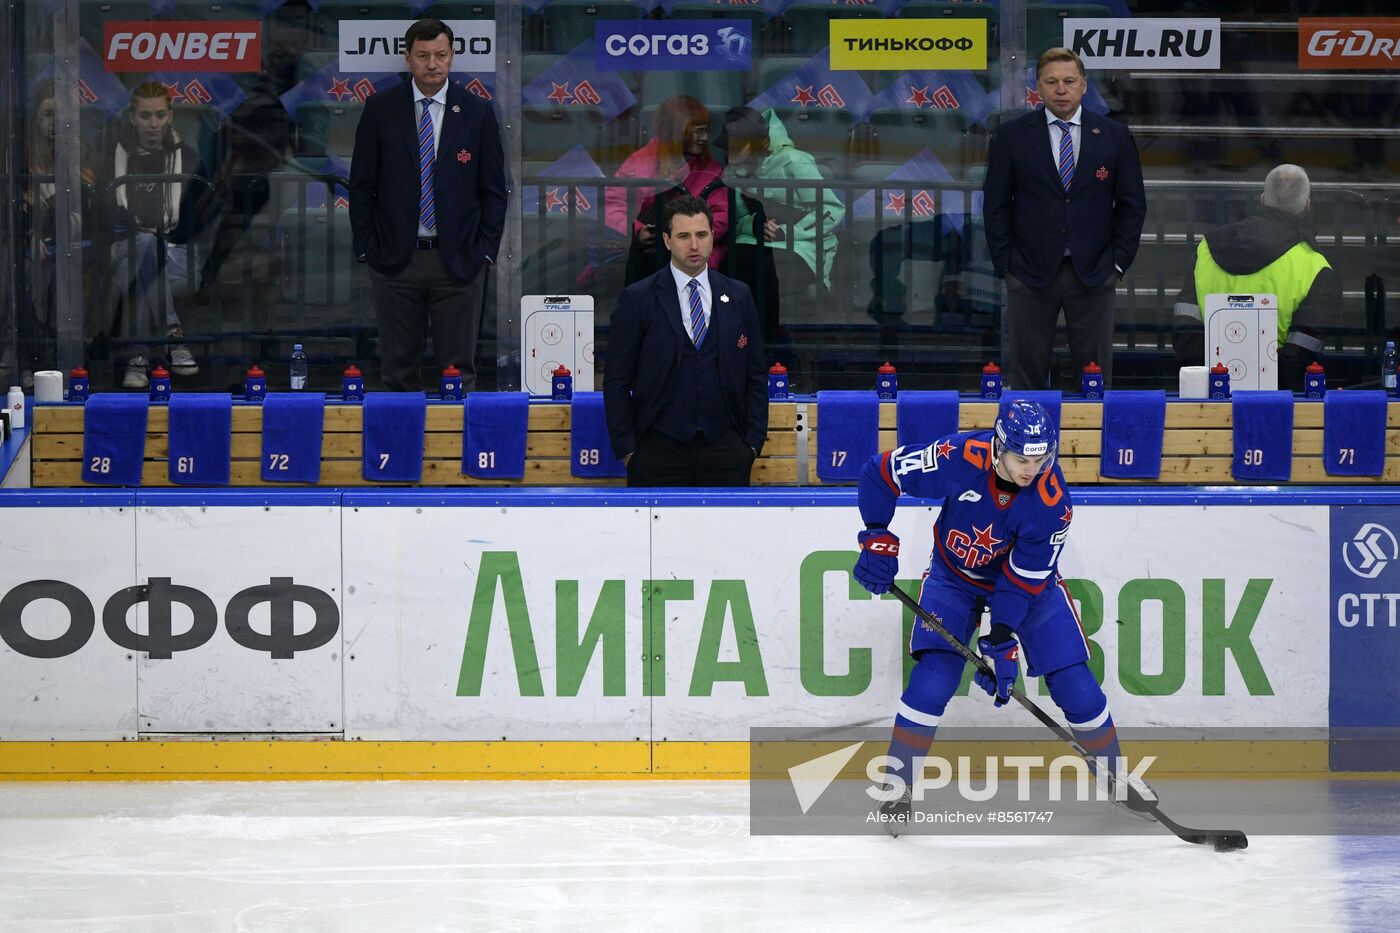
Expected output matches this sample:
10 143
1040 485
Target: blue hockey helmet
1025 428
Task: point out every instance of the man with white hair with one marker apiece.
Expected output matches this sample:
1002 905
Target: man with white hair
1270 252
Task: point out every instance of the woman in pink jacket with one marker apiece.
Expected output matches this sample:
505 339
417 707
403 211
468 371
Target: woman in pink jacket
679 149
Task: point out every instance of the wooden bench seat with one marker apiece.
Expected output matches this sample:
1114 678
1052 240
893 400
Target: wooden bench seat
1196 450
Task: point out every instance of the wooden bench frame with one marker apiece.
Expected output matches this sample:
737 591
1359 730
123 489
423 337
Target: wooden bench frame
1197 446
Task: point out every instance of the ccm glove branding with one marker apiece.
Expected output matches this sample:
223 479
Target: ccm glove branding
879 560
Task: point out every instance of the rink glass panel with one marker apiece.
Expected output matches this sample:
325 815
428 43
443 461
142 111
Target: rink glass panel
273 259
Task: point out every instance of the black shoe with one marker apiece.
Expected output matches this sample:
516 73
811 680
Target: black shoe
895 814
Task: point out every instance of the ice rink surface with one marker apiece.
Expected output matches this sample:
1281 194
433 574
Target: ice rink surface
621 855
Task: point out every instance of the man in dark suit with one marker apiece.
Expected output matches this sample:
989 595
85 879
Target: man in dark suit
1064 205
686 388
427 207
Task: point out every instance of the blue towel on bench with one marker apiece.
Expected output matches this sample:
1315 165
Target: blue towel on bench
1133 423
494 430
393 436
201 435
1049 399
1353 432
1263 435
923 417
591 455
114 439
292 425
848 433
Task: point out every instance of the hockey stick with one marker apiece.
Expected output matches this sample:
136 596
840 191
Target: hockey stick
1222 840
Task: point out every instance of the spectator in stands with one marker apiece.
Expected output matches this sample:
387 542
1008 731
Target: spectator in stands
679 150
1064 205
787 219
36 322
932 241
154 223
967 284
1271 252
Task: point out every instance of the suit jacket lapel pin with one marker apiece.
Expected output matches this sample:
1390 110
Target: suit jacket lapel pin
724 298
743 341
1102 173
463 156
457 108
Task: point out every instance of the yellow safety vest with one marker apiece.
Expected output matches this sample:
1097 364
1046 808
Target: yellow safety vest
1288 277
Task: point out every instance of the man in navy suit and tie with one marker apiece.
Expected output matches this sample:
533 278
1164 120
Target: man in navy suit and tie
427 208
685 386
1064 204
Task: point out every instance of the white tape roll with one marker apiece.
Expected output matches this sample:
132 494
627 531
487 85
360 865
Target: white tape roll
48 386
1193 382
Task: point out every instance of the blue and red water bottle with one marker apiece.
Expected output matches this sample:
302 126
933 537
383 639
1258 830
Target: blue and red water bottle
991 381
779 387
255 384
1091 385
450 386
160 384
887 381
561 384
78 387
1219 381
1314 381
352 384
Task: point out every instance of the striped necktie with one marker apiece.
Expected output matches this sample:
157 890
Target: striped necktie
1066 154
427 217
697 313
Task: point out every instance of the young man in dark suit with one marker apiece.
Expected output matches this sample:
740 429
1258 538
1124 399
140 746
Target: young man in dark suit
427 208
686 388
1064 206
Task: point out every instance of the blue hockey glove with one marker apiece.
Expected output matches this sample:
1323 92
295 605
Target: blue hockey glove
1002 658
879 560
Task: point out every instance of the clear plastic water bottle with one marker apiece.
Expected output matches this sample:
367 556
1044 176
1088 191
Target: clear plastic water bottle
298 368
1388 368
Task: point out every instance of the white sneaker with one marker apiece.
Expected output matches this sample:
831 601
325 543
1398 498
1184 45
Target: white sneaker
182 361
136 377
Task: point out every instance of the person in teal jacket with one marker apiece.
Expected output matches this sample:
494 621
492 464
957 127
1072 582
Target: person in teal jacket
798 222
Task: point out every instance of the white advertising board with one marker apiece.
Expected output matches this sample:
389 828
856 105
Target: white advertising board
752 620
265 592
375 46
60 676
465 623
609 623
1142 44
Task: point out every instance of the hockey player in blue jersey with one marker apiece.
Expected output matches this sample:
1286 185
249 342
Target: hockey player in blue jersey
1003 523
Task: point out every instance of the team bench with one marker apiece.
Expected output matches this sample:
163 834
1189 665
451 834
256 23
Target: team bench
1197 445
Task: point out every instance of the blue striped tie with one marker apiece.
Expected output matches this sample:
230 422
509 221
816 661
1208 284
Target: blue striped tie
1066 154
427 217
697 313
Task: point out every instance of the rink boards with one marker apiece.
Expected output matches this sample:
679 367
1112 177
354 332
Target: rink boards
423 632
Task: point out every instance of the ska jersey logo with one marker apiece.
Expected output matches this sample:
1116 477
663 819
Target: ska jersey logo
1370 551
976 550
